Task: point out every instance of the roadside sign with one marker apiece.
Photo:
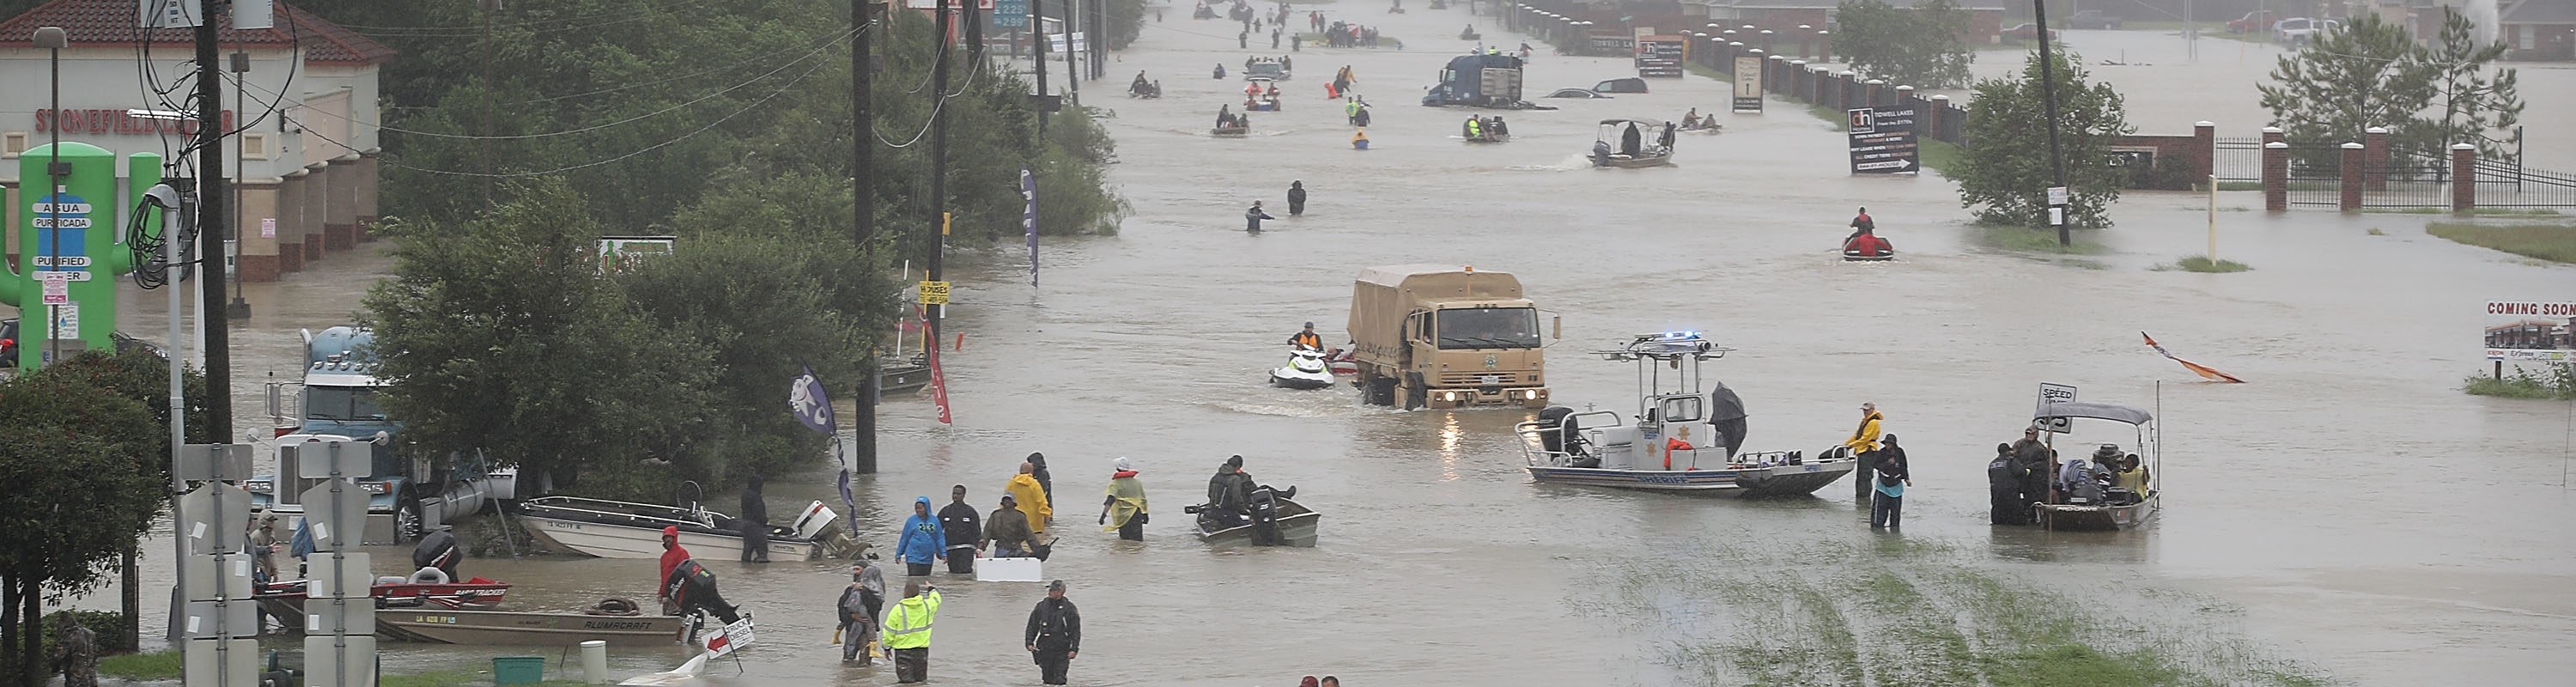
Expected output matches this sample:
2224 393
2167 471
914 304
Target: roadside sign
1011 14
2052 394
1748 84
212 518
1882 140
934 293
57 291
734 636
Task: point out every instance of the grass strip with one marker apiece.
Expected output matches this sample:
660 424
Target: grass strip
2551 242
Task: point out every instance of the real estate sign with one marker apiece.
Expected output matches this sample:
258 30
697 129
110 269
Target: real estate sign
2531 331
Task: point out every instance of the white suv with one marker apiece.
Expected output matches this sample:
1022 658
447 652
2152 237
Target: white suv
2301 30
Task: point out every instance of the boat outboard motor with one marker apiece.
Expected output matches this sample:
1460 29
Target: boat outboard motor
437 550
1265 515
1553 418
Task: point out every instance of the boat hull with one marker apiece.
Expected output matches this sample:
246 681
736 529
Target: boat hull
1779 480
1297 525
1292 382
1848 257
1232 132
528 629
476 595
2081 518
1633 162
619 541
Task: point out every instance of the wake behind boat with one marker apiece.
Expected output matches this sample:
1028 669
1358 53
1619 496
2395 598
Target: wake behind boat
622 529
1599 448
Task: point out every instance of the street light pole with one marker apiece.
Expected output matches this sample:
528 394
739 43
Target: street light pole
2048 98
53 40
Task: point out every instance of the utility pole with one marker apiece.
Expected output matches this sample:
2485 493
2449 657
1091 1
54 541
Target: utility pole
2048 90
938 176
1100 45
214 222
1072 72
974 35
863 181
1037 22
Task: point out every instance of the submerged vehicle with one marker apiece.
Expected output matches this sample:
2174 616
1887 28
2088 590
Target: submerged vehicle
1609 147
2101 505
1440 336
1492 81
1652 451
622 529
1306 369
1266 69
408 494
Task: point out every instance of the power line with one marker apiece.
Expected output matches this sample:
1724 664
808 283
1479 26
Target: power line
791 83
835 37
513 137
471 31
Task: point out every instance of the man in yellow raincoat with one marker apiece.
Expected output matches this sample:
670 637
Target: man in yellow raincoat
1125 504
1864 443
1032 500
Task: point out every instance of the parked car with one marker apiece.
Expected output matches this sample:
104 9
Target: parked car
1576 93
2093 19
2027 32
1627 85
2253 22
2301 30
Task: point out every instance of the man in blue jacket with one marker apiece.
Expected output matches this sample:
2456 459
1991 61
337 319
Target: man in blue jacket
923 540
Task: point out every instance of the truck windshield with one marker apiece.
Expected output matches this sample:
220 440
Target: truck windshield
1488 328
341 403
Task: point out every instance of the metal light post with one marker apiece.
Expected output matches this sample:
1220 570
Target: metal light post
2048 98
53 40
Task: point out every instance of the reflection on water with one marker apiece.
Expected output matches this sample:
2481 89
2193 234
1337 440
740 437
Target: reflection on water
1441 564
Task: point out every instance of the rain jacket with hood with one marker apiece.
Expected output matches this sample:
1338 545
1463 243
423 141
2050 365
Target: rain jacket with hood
1032 501
923 538
1128 496
1865 439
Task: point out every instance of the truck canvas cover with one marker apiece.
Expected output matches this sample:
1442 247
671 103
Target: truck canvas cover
1385 295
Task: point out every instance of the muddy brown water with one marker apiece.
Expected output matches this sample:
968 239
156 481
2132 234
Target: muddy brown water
2349 510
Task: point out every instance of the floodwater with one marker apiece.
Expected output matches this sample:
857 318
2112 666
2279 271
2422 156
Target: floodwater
2347 515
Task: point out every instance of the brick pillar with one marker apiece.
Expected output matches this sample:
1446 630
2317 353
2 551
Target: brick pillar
2374 156
1905 96
2204 150
1940 107
2464 178
2276 174
317 199
1824 46
1767 35
1855 91
2352 183
290 209
366 198
340 219
2271 135
1790 76
1773 70
1806 41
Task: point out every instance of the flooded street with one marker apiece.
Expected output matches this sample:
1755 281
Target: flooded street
2348 515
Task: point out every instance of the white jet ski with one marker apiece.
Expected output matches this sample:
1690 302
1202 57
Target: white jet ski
1305 370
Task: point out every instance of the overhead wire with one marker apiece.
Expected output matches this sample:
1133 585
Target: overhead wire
835 36
475 31
791 83
595 127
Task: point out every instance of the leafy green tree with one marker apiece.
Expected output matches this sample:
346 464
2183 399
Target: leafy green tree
2370 73
1909 46
498 333
2476 108
2006 173
86 482
143 376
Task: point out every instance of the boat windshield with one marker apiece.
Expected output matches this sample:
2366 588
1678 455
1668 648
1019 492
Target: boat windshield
1488 328
341 403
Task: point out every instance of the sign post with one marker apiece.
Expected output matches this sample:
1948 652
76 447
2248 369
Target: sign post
1882 140
2053 394
2057 199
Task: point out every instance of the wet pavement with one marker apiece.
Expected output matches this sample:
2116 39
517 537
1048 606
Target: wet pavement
2348 514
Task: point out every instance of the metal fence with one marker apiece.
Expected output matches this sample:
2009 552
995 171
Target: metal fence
2315 177
2407 180
2237 159
2507 185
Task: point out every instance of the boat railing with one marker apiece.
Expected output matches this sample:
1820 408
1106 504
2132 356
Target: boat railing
1534 434
706 516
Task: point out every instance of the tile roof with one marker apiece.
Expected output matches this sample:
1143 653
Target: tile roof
113 23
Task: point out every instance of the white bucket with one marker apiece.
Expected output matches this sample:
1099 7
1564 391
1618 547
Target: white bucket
594 662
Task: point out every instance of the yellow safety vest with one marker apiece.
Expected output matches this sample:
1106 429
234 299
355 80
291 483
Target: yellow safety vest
908 625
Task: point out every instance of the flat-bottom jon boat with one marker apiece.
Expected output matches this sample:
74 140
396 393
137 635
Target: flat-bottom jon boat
1230 131
527 628
622 529
2114 509
1296 522
285 600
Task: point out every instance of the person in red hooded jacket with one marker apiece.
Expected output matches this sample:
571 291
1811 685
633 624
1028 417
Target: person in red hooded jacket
689 586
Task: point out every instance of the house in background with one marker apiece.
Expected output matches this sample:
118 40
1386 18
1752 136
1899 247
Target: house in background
2539 29
1985 23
